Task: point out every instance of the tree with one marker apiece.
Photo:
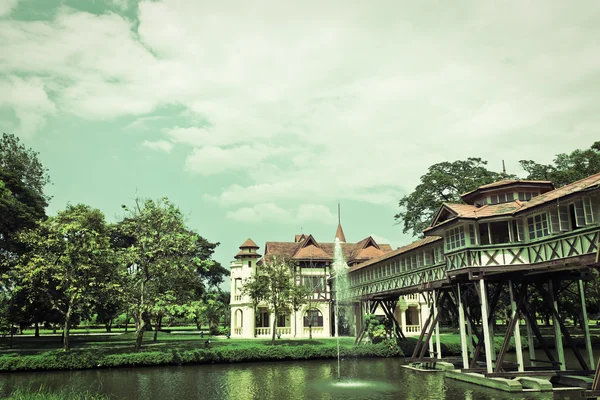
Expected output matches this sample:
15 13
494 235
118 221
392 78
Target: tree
567 168
22 198
305 294
274 284
167 263
69 263
443 182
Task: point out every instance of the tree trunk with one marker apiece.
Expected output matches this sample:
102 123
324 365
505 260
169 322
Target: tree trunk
156 328
274 327
67 329
108 326
37 330
139 334
310 330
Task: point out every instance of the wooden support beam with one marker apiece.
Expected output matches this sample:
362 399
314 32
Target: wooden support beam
372 307
512 327
536 331
552 303
462 329
585 323
491 309
434 322
420 339
485 325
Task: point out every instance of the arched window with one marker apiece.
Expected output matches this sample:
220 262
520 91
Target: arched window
239 319
313 317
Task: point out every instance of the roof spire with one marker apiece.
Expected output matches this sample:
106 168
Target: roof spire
339 233
503 170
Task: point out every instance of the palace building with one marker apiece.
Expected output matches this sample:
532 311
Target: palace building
313 262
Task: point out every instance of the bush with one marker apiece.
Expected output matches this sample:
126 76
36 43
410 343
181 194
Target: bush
57 360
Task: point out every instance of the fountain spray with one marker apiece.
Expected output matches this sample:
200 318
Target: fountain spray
340 284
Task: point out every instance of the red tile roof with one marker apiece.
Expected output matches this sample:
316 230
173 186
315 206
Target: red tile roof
419 243
309 249
507 182
245 254
249 244
467 211
339 234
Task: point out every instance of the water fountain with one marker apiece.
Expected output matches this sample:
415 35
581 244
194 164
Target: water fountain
340 285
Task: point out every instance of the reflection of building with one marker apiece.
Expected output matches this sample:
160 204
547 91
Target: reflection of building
313 261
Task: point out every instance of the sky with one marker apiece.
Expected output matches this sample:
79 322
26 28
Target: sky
257 117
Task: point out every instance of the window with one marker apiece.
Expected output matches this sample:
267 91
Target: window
587 210
317 283
517 230
238 286
484 234
472 236
313 318
499 232
579 213
283 319
501 198
538 226
455 238
249 264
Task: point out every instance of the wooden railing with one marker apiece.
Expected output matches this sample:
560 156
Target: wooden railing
570 244
412 297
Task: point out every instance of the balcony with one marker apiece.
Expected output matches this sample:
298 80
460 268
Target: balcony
316 331
412 330
571 244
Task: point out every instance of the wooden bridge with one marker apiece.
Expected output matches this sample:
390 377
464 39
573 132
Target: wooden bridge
513 237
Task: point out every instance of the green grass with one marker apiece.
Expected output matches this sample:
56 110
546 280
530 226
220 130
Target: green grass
44 393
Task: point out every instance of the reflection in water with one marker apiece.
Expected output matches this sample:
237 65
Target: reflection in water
361 379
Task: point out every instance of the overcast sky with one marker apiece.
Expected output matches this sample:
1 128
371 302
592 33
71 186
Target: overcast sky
257 117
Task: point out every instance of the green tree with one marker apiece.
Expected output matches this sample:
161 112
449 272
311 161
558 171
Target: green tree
22 198
443 182
70 262
567 168
274 284
165 261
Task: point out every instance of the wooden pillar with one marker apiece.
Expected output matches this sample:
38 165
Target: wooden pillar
462 331
530 341
585 323
403 320
433 310
470 336
557 333
517 334
438 343
486 326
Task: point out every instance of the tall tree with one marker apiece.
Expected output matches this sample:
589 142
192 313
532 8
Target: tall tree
70 262
567 168
274 284
443 182
166 261
22 198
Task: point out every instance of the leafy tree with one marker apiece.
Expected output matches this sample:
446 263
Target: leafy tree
305 294
168 264
567 168
443 182
22 199
70 262
275 285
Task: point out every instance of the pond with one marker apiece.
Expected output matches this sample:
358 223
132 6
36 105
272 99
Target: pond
360 379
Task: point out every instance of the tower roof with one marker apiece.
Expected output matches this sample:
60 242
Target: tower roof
339 234
249 244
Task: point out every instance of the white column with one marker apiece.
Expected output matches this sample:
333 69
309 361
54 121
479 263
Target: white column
463 332
403 320
438 344
557 334
486 326
517 334
585 323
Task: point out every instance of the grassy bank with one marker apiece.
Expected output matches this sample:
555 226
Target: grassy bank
44 353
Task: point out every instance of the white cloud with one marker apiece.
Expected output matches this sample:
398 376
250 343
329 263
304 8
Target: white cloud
29 100
272 213
7 6
320 101
161 145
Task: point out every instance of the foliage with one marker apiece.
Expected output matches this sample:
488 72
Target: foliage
22 199
274 284
225 353
567 168
168 264
69 264
443 182
376 331
44 393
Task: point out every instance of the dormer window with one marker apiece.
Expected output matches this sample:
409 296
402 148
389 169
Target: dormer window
501 198
526 196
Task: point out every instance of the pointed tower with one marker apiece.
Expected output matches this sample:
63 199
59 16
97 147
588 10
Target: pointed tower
242 312
339 233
